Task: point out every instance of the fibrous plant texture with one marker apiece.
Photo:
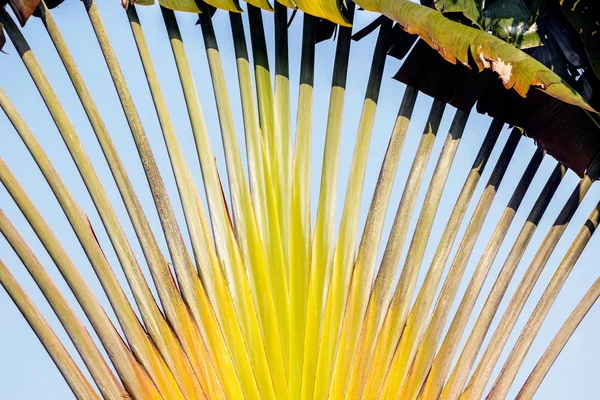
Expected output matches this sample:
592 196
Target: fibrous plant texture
255 210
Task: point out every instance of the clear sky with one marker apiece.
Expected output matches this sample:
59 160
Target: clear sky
26 371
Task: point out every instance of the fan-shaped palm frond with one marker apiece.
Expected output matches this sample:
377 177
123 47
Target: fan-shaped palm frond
254 291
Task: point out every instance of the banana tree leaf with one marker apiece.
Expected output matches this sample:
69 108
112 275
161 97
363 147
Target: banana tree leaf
425 70
328 9
584 15
589 87
469 8
210 9
563 130
402 42
192 7
227 5
262 4
287 3
523 39
142 2
325 30
518 34
552 57
456 42
536 9
508 20
567 40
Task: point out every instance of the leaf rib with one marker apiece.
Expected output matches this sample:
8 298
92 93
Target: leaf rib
79 385
345 247
445 355
321 252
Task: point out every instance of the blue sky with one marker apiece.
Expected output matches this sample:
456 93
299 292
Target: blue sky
26 371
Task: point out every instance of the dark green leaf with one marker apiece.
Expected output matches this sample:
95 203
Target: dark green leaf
589 87
469 8
566 132
552 57
585 18
508 20
425 70
537 8
567 40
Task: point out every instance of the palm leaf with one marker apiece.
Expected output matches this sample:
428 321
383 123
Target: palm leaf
250 296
